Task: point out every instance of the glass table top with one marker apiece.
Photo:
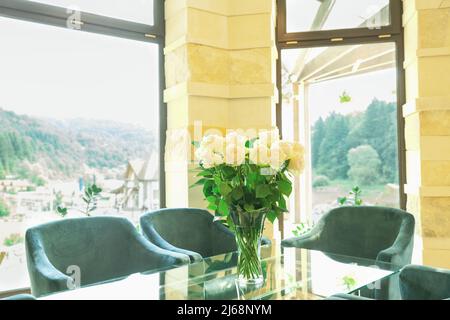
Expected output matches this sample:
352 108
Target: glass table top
290 274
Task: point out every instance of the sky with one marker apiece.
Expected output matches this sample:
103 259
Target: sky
60 73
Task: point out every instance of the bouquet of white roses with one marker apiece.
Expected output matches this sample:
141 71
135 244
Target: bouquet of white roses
248 175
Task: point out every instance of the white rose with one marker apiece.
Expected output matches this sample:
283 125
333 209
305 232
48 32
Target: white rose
211 153
268 138
297 160
260 154
214 143
235 154
235 138
280 152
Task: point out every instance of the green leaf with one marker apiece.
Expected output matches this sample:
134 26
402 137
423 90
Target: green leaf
212 207
262 191
228 172
285 187
224 189
272 216
211 199
208 188
224 210
96 190
237 194
62 211
205 173
200 182
249 143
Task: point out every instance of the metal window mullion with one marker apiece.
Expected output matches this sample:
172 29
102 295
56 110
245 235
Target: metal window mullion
58 16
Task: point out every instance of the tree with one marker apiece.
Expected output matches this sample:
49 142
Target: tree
379 129
333 149
4 210
365 165
2 171
316 140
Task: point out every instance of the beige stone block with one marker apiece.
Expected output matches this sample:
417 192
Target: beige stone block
436 173
252 31
411 38
177 113
209 112
435 217
434 73
413 207
412 81
413 169
434 29
207 28
435 148
251 66
222 7
248 7
412 132
176 66
176 26
208 64
435 123
436 258
178 191
252 113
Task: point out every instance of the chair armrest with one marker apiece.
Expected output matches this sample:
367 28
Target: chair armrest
310 240
45 278
161 255
401 250
155 239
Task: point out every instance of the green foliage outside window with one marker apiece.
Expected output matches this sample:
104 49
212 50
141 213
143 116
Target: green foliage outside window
353 198
333 138
4 210
13 240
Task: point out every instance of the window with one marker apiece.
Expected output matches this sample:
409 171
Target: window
315 15
342 90
77 109
131 10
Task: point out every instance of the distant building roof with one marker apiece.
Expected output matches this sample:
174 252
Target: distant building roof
147 170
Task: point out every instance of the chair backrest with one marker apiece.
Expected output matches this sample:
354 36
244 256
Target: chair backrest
185 228
103 248
424 283
364 231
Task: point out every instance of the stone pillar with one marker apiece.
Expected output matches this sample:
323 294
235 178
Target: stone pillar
220 74
427 124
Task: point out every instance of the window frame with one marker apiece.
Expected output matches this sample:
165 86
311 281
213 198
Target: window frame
341 37
395 27
57 16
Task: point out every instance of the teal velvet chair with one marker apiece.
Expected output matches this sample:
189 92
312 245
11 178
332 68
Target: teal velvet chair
383 235
20 297
424 283
103 248
189 231
375 233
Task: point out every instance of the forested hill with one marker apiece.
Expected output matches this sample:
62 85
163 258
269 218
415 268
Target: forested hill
361 146
57 149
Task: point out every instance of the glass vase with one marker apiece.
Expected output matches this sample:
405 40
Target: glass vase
248 230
